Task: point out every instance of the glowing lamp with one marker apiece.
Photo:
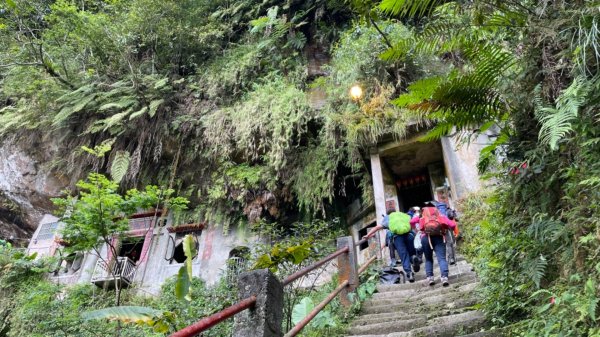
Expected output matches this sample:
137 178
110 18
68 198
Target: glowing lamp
356 92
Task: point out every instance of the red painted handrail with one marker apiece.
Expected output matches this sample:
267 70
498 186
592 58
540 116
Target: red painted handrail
249 302
296 329
361 241
313 266
366 264
216 318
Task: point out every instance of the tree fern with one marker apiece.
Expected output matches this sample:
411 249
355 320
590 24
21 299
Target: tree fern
119 166
555 122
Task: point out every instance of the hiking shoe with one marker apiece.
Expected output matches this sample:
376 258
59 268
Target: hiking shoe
452 262
431 280
410 277
416 264
445 282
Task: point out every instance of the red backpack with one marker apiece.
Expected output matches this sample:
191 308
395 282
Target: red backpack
432 224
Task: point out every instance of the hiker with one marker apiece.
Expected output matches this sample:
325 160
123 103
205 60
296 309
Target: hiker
389 241
415 213
451 237
399 224
433 226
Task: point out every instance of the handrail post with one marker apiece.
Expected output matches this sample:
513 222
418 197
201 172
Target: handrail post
264 320
348 270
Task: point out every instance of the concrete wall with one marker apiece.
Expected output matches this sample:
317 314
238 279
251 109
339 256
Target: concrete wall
356 226
210 263
461 164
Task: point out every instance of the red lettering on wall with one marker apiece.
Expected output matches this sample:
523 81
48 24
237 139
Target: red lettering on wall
207 253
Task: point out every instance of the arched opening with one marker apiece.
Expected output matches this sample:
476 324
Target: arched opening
237 262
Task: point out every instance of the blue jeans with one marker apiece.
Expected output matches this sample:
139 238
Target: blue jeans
439 247
405 247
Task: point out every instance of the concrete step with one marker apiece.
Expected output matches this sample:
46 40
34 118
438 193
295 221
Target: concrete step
453 278
426 299
435 263
411 292
412 295
486 333
380 318
444 326
419 310
426 305
394 323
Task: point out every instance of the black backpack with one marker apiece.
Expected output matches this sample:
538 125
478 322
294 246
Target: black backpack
390 275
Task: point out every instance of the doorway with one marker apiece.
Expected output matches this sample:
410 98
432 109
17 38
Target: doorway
131 248
414 189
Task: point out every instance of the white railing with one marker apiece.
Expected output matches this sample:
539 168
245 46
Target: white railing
235 266
122 269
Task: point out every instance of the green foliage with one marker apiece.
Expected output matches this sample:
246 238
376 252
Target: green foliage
408 7
99 212
131 314
41 308
306 305
119 166
280 254
17 266
206 301
556 122
184 276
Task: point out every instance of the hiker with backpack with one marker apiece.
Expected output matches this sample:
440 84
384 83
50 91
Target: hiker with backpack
415 213
451 237
399 224
433 226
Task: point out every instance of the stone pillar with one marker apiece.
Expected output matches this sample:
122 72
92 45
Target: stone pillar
347 269
378 185
378 194
264 320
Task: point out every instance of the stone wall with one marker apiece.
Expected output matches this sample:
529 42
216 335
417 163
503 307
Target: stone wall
26 185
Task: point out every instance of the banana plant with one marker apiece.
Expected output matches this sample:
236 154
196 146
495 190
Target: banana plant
159 321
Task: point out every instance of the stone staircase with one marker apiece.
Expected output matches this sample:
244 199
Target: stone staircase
419 310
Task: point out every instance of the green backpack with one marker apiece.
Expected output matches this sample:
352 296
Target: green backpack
399 223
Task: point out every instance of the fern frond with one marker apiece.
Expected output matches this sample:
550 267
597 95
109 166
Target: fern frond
438 131
74 107
138 113
536 269
154 105
119 166
409 7
556 121
122 103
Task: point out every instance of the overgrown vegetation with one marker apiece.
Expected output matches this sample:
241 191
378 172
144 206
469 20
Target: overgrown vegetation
33 306
221 107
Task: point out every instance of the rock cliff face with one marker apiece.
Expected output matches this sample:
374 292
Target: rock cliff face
26 185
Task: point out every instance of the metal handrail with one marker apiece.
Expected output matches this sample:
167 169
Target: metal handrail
361 241
366 264
216 318
304 271
298 327
249 302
